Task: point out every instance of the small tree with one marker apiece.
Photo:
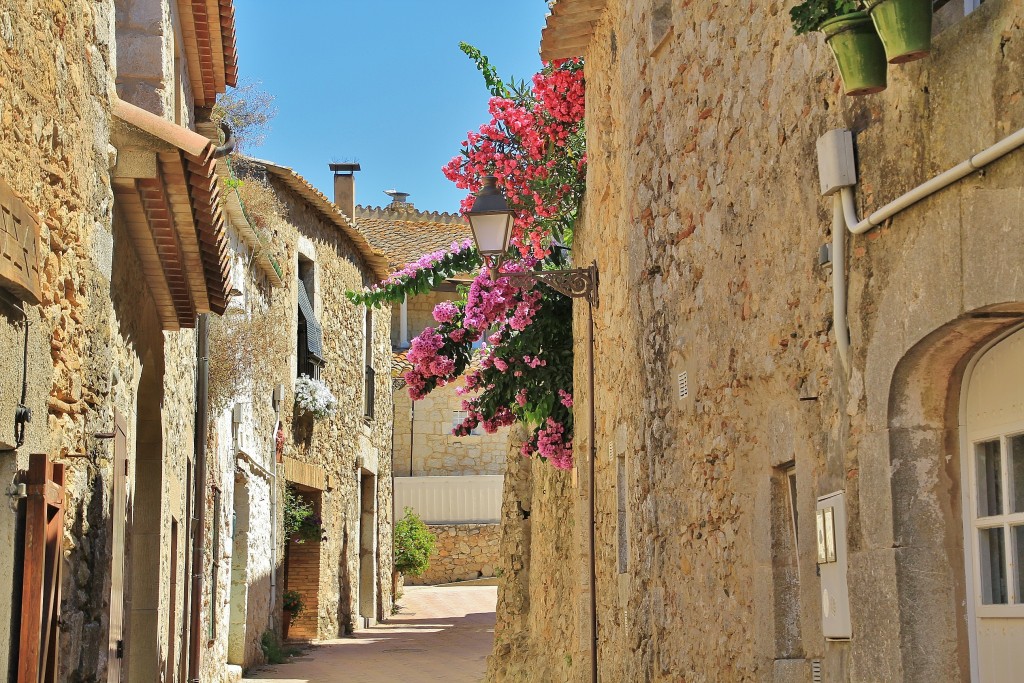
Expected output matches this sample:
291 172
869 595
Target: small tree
248 110
413 544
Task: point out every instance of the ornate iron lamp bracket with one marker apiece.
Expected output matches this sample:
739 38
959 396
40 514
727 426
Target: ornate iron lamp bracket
578 283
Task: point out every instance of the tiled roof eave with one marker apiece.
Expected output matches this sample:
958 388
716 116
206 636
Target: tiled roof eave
569 28
180 210
376 262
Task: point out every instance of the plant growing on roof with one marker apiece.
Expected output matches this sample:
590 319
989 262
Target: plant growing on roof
312 397
534 145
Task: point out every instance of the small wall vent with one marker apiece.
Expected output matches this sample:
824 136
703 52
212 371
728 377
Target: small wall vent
684 385
816 670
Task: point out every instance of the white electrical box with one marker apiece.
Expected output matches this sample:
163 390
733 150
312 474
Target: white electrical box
830 518
836 167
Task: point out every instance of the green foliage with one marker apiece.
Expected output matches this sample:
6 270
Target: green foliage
405 283
413 544
273 651
301 523
292 602
810 14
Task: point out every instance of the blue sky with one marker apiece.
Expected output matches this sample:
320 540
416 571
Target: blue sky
382 83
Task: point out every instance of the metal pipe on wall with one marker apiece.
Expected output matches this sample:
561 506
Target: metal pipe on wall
593 458
199 496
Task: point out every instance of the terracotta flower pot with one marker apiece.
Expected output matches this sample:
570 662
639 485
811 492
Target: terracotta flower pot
286 623
858 51
905 27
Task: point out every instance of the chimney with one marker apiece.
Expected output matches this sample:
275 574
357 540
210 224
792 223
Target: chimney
399 200
345 187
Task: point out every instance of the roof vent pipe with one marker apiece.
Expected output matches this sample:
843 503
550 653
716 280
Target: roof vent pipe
345 187
397 198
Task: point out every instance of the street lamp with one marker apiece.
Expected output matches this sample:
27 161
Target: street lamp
491 221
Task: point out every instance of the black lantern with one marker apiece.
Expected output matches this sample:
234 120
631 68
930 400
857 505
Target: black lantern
491 221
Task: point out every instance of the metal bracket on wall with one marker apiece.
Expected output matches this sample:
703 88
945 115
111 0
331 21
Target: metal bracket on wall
578 283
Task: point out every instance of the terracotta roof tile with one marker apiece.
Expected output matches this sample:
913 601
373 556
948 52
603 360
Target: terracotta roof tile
175 217
569 27
319 201
404 236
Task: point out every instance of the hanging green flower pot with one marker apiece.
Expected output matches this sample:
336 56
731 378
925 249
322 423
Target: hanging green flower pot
858 51
905 27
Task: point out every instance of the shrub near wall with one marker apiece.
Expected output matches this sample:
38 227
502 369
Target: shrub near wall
464 552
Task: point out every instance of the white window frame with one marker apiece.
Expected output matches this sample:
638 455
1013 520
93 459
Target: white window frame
457 418
1014 608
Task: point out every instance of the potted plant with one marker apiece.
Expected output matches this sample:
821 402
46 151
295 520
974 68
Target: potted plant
312 397
293 607
851 36
905 27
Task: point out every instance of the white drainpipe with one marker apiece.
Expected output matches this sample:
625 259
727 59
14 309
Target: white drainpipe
838 175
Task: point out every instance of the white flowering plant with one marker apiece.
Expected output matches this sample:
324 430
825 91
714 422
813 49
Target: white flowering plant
312 397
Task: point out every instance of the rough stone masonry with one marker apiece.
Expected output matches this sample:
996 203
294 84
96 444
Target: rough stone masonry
704 216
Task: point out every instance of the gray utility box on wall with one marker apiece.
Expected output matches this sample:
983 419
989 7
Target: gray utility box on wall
830 518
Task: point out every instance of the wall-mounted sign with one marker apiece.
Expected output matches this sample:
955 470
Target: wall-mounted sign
19 246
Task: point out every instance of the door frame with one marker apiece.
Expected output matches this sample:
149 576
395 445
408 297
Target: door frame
966 482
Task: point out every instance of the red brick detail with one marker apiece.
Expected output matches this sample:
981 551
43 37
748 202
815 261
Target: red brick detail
303 575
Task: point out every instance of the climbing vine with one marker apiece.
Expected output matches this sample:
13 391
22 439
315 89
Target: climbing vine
523 371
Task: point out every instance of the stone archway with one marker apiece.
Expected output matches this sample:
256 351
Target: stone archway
923 429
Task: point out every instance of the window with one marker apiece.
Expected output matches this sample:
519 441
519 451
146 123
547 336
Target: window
369 378
621 498
661 22
19 234
458 417
309 342
997 517
948 12
785 562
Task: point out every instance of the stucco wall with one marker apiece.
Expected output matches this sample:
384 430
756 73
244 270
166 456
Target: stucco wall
704 217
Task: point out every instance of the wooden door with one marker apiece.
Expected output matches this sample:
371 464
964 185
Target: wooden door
118 522
40 588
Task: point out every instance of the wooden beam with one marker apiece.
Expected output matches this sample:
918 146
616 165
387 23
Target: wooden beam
129 205
184 225
567 49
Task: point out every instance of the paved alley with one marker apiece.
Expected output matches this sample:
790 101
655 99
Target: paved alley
443 633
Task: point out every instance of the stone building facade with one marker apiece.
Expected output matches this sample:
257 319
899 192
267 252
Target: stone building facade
726 416
112 201
423 445
340 464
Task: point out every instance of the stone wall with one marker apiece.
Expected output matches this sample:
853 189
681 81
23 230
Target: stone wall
464 552
435 451
704 216
242 456
347 443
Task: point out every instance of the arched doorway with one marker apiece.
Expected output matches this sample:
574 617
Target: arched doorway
927 477
992 467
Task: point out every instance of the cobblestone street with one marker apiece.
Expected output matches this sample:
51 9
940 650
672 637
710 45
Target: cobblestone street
441 634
